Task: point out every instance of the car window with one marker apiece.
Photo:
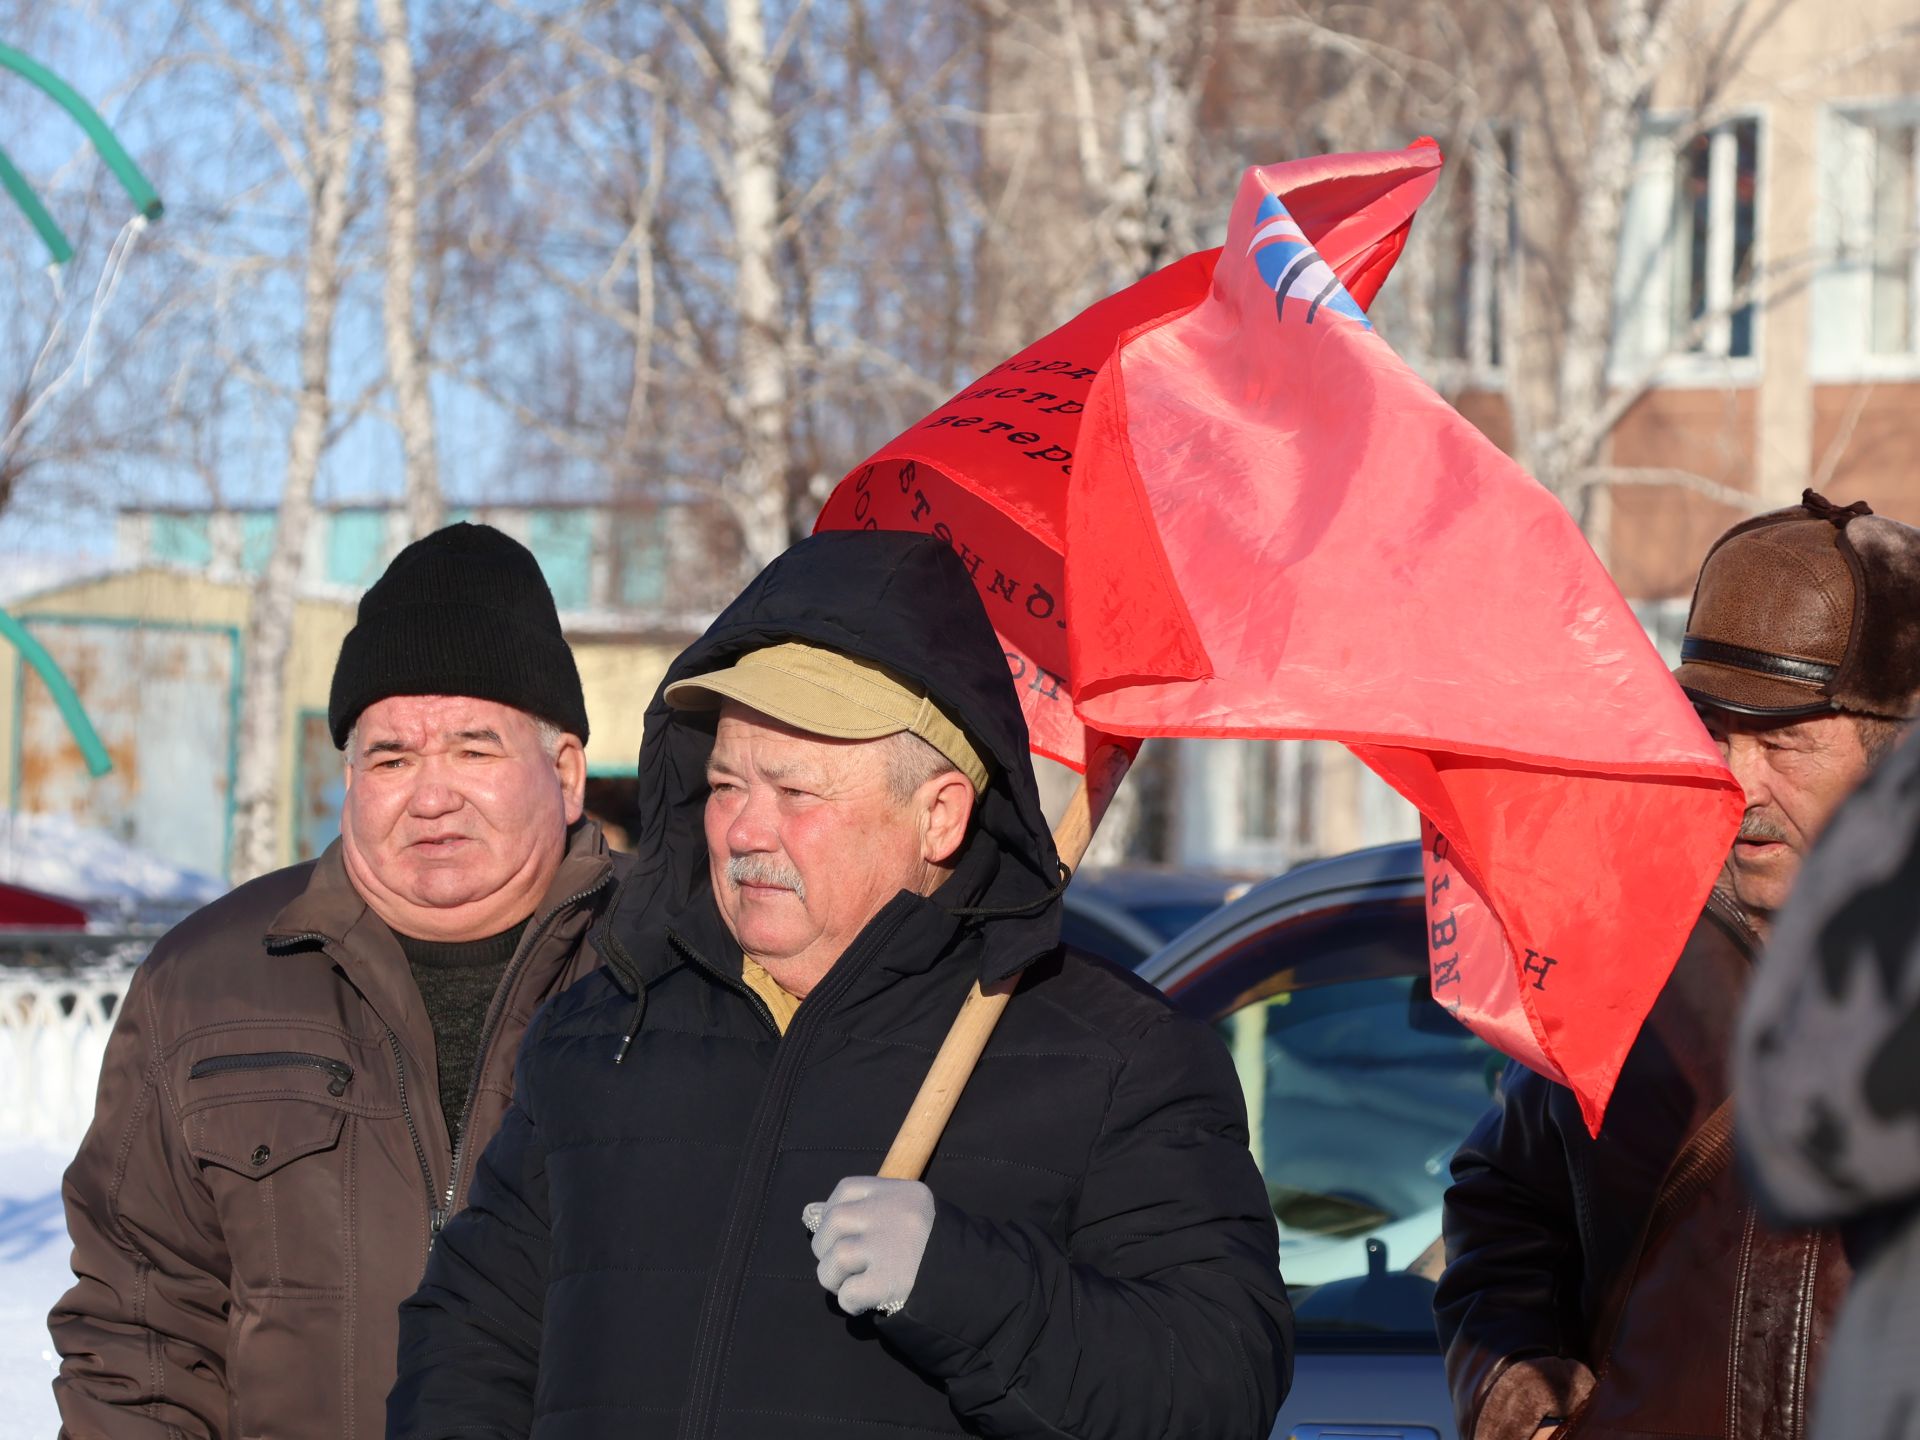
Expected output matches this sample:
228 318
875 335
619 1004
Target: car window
1357 1094
1089 936
1169 918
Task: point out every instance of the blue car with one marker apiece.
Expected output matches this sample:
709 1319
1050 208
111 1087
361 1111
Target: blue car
1125 913
1359 1088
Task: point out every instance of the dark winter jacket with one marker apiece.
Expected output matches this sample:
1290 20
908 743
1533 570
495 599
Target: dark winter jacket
1828 1067
1718 1325
1103 1260
267 1161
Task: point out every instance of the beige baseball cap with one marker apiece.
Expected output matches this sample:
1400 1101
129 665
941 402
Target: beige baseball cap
824 692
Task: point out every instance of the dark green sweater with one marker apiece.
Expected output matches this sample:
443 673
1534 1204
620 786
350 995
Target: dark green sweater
457 982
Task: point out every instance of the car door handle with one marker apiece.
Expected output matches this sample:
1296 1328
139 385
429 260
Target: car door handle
1363 1432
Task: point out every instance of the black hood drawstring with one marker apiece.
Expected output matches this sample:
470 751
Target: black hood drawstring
1032 907
639 1014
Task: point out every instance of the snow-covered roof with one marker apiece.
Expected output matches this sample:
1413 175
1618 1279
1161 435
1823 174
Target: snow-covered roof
113 881
23 576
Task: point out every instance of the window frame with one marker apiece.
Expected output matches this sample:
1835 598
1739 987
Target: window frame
1642 350
335 528
1492 226
1840 328
565 541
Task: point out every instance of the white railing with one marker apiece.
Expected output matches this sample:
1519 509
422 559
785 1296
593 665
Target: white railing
53 1034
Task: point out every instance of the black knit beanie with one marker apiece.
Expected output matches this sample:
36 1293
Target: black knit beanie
463 611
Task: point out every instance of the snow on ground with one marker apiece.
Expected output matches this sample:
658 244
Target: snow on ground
34 1272
50 853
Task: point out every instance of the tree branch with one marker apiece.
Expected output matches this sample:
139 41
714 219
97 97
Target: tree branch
1837 447
1621 477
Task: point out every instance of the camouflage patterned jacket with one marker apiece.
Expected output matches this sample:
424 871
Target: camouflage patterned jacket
1827 1071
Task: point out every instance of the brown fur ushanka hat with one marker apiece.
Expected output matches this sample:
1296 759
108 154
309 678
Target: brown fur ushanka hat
1808 610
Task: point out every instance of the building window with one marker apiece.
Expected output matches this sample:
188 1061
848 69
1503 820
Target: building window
1867 286
1479 239
638 559
1260 791
182 540
1712 250
1303 825
356 547
1891 225
1279 798
1448 312
1687 247
256 540
562 541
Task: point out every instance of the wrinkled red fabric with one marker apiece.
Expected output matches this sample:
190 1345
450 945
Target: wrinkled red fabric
1217 504
1356 562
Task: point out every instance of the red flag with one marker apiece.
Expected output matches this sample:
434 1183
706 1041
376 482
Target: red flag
1277 530
988 471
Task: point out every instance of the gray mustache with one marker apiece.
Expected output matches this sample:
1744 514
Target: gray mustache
1759 827
760 870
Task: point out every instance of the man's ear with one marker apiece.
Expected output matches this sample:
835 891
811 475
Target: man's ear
946 806
570 764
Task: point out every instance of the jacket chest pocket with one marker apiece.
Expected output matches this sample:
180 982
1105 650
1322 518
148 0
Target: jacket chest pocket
259 1138
280 1168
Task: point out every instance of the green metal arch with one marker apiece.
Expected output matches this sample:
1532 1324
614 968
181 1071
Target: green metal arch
64 697
145 198
16 185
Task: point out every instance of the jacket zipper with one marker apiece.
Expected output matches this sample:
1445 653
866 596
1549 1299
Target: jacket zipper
437 1214
749 1199
434 1217
739 987
339 1070
496 1012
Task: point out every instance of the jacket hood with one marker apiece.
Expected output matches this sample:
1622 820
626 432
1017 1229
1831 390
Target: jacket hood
899 600
1827 1064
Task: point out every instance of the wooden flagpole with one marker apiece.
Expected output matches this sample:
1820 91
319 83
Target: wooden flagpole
913 1147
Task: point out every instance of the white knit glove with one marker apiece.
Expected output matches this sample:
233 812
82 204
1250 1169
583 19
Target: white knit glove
869 1236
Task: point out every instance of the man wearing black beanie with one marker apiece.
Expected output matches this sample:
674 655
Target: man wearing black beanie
304 1073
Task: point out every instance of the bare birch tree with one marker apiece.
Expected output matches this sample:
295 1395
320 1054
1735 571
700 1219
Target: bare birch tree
765 270
1159 52
406 342
761 363
328 109
1093 127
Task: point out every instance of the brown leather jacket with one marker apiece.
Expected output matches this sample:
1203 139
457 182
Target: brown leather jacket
1718 1324
268 1164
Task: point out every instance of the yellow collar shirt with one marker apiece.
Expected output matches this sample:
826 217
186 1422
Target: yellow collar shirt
780 1004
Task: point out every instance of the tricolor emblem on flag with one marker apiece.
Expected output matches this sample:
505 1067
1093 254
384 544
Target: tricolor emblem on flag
1293 269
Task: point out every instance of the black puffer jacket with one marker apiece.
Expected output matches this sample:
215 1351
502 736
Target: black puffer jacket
632 1261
